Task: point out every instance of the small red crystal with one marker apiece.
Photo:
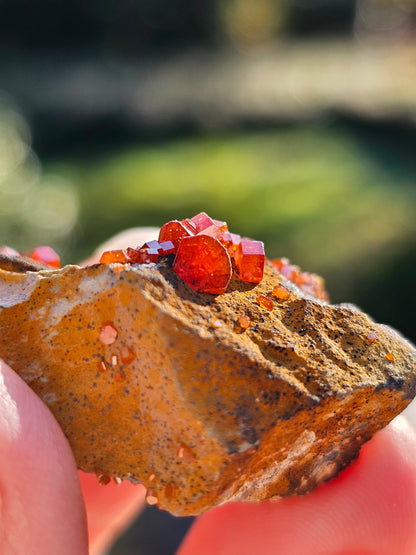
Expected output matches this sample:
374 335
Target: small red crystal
202 222
167 247
371 337
151 497
108 333
280 292
203 263
111 257
249 259
288 270
9 251
103 479
311 284
264 302
244 321
102 366
174 231
47 256
145 254
126 354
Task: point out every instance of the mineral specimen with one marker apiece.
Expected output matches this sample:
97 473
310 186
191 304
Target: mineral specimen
204 398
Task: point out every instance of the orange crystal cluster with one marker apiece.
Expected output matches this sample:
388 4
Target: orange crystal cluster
44 254
311 284
206 253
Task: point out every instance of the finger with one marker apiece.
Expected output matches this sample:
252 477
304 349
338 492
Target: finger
40 498
369 509
133 237
110 509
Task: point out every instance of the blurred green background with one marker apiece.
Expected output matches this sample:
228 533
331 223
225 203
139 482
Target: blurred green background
293 121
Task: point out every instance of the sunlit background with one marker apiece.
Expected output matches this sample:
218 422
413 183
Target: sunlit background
292 120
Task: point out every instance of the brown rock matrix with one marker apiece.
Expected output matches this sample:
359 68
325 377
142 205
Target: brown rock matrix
155 383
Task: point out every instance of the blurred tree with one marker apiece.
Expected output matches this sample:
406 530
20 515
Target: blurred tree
385 19
121 26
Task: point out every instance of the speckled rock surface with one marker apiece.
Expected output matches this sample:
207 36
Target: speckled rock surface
182 399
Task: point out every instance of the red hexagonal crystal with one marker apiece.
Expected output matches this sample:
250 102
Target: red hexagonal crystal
204 264
249 260
202 222
230 242
174 231
47 256
111 257
167 247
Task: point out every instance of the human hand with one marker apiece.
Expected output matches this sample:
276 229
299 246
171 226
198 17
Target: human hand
369 509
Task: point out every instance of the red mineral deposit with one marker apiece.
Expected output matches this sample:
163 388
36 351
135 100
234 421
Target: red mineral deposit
264 302
108 333
249 259
9 251
117 256
204 264
280 292
203 222
47 256
174 231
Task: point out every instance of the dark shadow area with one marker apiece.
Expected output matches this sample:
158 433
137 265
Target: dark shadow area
155 532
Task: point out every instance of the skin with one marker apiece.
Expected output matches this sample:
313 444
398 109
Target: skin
369 509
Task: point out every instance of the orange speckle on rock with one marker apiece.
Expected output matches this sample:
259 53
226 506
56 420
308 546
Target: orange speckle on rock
126 354
244 321
281 293
119 376
103 479
152 477
108 333
390 357
371 337
151 497
264 302
185 453
102 366
171 490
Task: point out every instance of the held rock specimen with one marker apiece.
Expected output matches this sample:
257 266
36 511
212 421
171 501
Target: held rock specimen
204 399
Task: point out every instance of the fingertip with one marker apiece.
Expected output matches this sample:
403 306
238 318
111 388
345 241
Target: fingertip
38 481
369 508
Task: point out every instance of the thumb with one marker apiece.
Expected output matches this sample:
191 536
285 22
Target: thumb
41 505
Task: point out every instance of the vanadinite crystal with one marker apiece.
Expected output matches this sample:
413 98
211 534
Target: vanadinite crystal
209 271
311 284
203 222
9 251
111 257
249 259
47 256
204 264
175 230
